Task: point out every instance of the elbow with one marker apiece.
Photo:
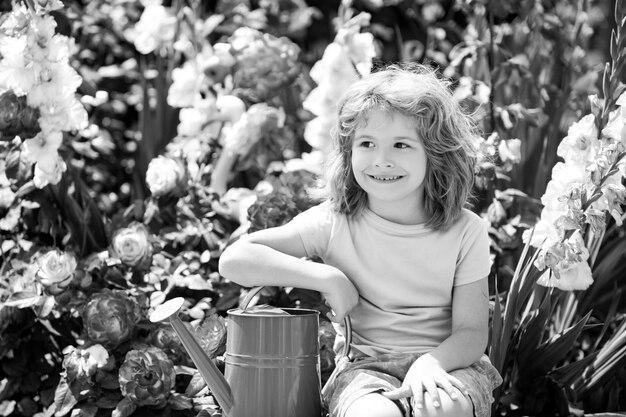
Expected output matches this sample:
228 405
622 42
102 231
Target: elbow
231 264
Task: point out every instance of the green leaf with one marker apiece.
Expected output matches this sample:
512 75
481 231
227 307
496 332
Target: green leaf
23 299
7 408
64 400
567 374
46 306
555 349
196 385
529 336
124 408
179 402
85 411
496 331
109 400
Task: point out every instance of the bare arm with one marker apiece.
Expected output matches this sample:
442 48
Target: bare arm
275 257
464 346
470 322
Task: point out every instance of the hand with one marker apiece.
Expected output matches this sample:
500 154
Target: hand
340 294
426 375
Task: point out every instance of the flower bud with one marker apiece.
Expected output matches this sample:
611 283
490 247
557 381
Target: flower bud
147 376
211 334
165 338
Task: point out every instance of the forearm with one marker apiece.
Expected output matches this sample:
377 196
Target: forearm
252 264
462 348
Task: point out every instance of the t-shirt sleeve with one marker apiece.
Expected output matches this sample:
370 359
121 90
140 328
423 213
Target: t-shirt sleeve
474 261
314 227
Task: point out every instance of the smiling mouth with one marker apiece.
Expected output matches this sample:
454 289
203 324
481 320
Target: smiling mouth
385 177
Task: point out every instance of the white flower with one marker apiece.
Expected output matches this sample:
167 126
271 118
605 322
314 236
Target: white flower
312 162
164 176
616 126
7 196
463 89
564 176
510 152
56 268
359 46
186 83
317 133
581 144
42 146
577 277
156 26
132 244
57 89
191 121
15 73
229 108
482 92
49 169
259 119
98 355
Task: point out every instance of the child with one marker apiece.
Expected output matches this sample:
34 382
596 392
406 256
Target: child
402 256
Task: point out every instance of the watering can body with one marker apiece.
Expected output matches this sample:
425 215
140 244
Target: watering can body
272 366
272 363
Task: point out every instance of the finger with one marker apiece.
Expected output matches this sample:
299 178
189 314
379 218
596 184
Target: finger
458 384
418 395
449 389
332 317
397 393
431 388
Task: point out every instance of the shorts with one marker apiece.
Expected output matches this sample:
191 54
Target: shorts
366 375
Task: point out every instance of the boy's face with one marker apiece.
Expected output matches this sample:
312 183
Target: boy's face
389 163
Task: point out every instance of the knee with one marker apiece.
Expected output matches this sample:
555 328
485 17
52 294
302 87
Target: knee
373 405
461 407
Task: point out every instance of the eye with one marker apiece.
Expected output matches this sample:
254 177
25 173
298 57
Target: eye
401 145
365 144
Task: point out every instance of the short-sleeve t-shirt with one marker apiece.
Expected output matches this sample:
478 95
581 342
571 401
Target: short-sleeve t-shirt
404 274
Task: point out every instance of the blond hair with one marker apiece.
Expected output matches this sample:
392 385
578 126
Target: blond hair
446 131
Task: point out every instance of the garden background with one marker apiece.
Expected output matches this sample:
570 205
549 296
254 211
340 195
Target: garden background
139 138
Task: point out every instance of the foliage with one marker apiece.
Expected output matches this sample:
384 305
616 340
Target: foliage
141 138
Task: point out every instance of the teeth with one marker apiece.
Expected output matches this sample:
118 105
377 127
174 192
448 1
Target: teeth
385 178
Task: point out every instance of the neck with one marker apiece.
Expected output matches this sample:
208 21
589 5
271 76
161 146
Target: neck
401 213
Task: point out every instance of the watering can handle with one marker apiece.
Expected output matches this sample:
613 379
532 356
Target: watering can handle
346 321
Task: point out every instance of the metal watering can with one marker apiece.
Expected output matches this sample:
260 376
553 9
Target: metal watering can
272 363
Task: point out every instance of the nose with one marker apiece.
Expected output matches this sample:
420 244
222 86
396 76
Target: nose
383 161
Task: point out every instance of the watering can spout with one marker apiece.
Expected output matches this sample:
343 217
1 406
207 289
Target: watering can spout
211 374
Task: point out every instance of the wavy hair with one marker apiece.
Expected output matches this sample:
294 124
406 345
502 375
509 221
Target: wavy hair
446 131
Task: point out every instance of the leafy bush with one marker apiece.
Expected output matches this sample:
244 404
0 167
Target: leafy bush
139 139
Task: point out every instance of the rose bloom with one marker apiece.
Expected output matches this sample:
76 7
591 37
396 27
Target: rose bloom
132 245
56 269
165 176
147 376
110 317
